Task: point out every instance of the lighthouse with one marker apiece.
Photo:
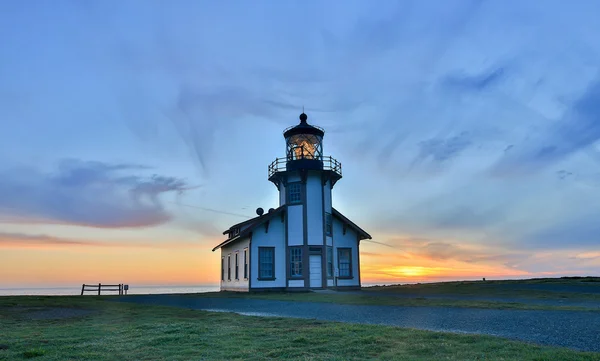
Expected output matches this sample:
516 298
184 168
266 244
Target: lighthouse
304 243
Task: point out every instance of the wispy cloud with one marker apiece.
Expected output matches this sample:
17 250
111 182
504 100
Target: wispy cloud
468 83
576 131
26 240
93 194
440 150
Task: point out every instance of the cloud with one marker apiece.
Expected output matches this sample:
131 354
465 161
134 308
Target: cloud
448 251
25 240
93 194
473 83
575 232
440 150
577 131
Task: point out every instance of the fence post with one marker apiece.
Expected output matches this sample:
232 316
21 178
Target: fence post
99 286
82 288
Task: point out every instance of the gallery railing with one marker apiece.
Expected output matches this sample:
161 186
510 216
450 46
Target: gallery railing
327 163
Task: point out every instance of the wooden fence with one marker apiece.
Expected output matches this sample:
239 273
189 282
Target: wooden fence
121 288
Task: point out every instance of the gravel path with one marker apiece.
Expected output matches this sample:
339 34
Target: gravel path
573 329
578 302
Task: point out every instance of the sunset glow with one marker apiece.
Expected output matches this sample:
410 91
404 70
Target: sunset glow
132 135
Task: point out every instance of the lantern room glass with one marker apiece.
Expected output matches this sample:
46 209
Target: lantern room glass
304 146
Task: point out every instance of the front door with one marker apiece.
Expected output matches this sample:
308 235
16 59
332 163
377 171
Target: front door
315 271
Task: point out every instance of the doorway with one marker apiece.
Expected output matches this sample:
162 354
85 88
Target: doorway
316 280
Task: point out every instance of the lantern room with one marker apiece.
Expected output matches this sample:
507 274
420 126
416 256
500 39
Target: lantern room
304 152
304 141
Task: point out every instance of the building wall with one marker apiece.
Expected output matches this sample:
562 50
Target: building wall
348 240
275 237
282 193
240 284
295 283
314 209
295 225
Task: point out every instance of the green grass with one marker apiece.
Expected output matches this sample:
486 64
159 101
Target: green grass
502 288
124 331
374 299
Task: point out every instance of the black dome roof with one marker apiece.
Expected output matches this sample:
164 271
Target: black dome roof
303 128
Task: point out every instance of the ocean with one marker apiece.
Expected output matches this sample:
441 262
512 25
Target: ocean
133 290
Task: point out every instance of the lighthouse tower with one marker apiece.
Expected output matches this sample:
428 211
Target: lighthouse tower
305 243
305 178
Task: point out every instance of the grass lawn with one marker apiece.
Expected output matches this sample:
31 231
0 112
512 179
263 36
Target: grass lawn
587 288
104 330
372 298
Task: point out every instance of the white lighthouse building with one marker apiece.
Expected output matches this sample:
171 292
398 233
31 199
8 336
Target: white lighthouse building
303 244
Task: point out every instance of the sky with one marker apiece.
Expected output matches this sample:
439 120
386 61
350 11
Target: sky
132 133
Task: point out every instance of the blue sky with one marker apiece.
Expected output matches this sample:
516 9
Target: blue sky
469 131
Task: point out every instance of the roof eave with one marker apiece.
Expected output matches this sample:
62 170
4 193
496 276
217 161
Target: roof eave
226 242
359 230
257 221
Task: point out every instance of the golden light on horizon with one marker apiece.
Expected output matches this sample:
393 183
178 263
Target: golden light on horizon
412 271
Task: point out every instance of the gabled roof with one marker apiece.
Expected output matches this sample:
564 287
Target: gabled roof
241 224
361 232
251 224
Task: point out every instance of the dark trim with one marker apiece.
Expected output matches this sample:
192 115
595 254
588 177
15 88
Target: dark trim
258 259
222 268
330 225
237 265
246 253
351 264
250 262
267 226
358 258
315 249
229 267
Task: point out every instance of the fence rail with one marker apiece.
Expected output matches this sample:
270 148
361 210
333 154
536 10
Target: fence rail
328 163
121 288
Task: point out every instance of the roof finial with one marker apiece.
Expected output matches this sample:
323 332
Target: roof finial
303 117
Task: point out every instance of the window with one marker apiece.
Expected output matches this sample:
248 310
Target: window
222 268
229 267
345 262
329 262
246 263
294 192
237 266
328 227
295 261
266 263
